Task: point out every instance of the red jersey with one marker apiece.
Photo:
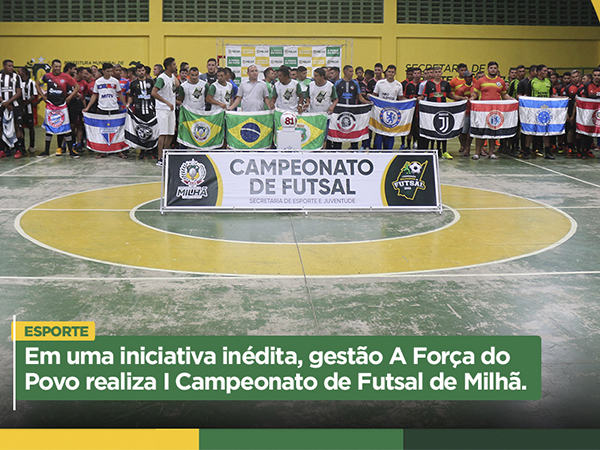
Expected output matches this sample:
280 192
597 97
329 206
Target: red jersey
456 83
58 87
465 91
83 89
435 92
590 90
489 88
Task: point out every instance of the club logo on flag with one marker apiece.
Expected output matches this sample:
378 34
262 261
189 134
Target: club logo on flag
495 120
443 122
109 133
192 174
410 179
305 130
56 118
390 117
346 122
596 117
200 131
544 117
143 132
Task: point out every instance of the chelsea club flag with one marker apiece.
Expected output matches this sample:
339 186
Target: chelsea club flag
543 116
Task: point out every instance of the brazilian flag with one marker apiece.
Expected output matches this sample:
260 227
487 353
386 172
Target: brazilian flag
202 131
249 130
313 127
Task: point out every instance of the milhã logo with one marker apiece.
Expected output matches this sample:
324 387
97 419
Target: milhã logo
192 174
410 179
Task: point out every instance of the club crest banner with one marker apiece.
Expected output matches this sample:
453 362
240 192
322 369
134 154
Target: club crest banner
441 121
141 134
249 131
349 123
494 119
543 116
56 120
391 118
201 131
588 116
9 135
105 134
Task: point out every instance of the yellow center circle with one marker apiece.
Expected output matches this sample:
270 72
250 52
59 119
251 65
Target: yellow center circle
492 227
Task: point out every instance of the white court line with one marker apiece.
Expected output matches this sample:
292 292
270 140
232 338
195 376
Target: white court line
24 165
557 172
251 277
70 177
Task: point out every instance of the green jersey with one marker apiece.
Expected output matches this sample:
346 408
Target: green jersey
540 88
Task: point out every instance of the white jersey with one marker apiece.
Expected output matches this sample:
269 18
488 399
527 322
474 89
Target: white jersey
253 95
320 97
287 95
108 93
221 94
166 89
388 91
193 96
28 91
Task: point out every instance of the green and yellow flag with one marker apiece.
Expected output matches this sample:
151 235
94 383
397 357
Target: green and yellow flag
313 127
202 131
249 130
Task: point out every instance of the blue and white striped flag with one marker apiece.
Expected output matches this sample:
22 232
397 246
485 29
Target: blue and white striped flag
543 116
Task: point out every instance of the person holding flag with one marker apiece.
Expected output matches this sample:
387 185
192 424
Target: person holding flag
141 104
540 87
490 87
57 116
388 89
592 91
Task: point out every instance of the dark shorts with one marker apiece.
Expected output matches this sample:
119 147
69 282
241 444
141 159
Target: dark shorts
76 112
27 120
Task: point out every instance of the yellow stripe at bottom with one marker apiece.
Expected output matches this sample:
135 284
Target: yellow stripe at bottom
100 439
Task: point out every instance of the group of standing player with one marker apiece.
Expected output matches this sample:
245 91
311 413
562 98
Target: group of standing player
110 89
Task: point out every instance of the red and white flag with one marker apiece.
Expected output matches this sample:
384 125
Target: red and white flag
349 123
105 134
494 119
588 116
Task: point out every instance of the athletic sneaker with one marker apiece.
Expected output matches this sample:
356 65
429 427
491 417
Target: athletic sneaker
589 154
18 154
475 156
493 156
142 154
41 155
2 154
159 162
31 151
402 147
73 154
538 153
446 155
549 156
59 151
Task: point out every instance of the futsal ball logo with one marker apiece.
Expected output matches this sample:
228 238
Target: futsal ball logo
201 131
390 117
56 119
250 132
346 122
544 116
410 179
495 120
192 174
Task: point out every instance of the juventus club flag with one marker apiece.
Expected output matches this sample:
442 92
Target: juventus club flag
105 134
588 116
349 123
543 116
494 119
441 121
391 117
141 134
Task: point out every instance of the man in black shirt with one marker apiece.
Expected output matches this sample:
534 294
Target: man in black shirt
10 93
140 95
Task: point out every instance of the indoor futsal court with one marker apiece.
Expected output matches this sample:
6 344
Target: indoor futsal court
515 252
